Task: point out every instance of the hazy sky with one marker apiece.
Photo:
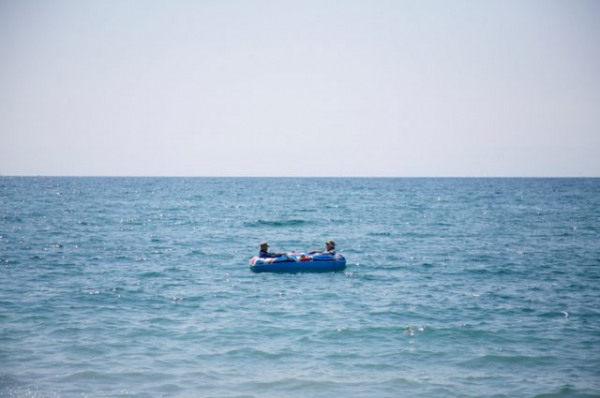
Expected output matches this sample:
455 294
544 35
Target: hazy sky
300 88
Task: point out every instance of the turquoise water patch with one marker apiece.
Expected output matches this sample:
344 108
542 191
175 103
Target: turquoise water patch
453 287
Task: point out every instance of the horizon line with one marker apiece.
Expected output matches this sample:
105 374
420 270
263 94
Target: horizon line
291 176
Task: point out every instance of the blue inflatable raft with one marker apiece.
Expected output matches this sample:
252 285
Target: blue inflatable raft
299 262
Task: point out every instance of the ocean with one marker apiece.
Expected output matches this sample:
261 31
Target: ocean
141 287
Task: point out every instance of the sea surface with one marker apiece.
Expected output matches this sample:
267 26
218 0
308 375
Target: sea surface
141 287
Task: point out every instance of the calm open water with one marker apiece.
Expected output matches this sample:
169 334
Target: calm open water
141 287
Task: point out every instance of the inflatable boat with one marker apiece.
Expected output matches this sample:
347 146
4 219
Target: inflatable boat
299 262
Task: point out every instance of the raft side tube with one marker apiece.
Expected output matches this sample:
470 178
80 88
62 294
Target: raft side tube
299 262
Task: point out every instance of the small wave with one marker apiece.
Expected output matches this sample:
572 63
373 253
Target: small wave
379 234
484 270
555 314
86 376
6 261
273 223
253 352
510 360
168 388
383 332
566 391
291 383
152 275
96 376
418 235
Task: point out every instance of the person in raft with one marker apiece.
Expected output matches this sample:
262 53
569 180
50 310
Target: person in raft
264 251
329 249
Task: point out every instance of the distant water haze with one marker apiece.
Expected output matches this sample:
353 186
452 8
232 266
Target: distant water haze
271 88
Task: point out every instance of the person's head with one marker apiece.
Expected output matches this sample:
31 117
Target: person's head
330 245
264 245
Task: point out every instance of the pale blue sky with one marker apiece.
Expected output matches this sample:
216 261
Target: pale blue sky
300 88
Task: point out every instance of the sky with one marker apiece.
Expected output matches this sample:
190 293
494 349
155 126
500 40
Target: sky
496 88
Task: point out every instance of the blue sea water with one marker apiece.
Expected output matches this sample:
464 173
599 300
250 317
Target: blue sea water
118 287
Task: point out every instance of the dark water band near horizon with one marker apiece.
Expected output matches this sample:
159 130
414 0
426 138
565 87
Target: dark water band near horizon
117 287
